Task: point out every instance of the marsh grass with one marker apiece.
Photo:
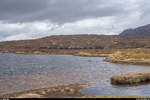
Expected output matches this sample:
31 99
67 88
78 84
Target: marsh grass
131 78
139 56
94 53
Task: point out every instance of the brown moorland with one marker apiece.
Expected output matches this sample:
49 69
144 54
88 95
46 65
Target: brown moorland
111 43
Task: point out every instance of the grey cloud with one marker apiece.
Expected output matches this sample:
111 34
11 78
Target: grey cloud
145 9
20 10
69 17
58 11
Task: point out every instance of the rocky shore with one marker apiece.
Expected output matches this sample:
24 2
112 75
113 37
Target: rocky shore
64 91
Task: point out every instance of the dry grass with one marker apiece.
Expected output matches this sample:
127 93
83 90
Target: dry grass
93 53
131 78
139 56
108 41
89 52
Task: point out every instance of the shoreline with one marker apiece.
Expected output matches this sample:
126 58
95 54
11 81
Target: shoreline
127 62
63 91
137 56
83 53
87 53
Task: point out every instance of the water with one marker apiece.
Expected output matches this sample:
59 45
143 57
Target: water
24 72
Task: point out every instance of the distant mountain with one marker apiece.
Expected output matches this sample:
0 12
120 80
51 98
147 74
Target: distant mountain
143 30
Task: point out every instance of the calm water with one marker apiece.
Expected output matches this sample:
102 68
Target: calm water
25 72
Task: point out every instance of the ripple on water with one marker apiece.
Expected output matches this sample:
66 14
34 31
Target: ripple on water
24 72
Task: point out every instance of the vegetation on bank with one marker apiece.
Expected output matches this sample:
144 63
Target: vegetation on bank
65 91
131 56
131 78
88 52
51 92
92 54
134 56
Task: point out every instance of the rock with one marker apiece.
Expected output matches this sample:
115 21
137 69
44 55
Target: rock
29 95
69 90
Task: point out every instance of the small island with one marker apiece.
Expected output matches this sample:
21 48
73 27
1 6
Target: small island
131 79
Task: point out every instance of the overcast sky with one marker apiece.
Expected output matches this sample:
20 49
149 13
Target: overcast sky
28 19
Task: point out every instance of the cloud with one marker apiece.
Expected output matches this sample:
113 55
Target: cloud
28 19
17 31
58 11
101 25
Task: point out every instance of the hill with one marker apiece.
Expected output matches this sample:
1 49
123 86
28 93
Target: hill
143 30
107 41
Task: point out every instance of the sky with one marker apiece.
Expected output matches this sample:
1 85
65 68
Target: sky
30 19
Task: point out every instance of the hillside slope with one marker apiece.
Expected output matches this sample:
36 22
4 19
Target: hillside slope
143 30
108 41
